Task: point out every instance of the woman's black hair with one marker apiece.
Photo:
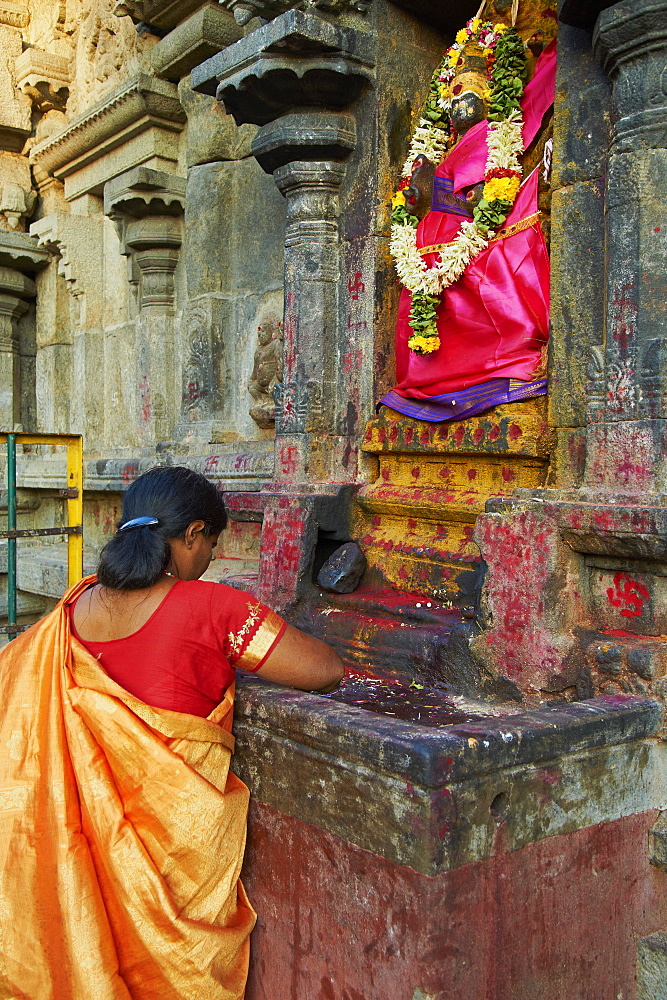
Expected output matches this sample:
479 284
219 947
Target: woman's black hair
136 557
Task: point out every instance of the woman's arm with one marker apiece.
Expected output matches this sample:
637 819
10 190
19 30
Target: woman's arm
300 661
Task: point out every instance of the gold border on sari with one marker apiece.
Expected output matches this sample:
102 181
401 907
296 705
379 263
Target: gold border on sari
502 234
261 642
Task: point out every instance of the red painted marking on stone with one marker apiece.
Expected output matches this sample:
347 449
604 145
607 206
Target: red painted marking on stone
443 431
514 432
356 286
508 475
145 399
441 531
459 433
478 434
494 433
424 437
403 573
410 789
382 435
472 474
288 459
409 434
242 463
620 633
415 473
628 594
657 229
129 472
211 464
393 433
412 524
445 472
376 520
385 474
604 520
352 361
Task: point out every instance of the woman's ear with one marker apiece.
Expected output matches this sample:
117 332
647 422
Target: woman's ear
192 531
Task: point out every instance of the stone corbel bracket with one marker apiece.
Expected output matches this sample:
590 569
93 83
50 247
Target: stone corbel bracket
45 78
297 60
145 206
16 15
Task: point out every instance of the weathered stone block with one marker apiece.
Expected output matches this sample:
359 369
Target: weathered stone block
212 134
582 112
577 303
652 967
657 843
204 33
342 572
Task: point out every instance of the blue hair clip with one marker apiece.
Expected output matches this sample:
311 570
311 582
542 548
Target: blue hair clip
139 522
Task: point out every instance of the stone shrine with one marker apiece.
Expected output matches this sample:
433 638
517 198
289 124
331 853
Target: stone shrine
195 204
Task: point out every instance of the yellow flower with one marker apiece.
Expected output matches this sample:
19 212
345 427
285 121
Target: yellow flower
475 25
444 91
453 57
423 345
487 53
503 188
500 29
398 200
461 36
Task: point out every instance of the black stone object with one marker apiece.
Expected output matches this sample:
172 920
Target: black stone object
342 572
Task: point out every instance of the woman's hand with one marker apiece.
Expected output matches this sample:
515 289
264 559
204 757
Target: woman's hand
300 661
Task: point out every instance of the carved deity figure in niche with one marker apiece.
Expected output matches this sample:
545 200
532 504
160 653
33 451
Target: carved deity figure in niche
467 236
266 373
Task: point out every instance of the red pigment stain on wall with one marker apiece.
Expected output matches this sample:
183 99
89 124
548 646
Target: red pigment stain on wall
558 920
494 433
628 595
508 475
416 473
472 474
288 459
514 432
478 434
145 399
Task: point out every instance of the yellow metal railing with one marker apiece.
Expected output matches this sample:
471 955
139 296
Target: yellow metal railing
73 494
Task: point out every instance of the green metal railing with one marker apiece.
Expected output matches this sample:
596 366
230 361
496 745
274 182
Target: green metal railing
73 494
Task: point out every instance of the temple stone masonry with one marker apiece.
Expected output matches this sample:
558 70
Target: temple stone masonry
195 203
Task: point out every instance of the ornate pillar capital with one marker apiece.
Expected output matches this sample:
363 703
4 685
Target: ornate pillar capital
630 41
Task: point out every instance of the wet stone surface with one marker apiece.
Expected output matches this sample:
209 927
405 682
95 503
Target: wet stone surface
413 702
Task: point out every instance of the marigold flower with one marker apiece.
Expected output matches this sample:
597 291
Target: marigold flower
423 345
398 200
502 188
475 24
461 36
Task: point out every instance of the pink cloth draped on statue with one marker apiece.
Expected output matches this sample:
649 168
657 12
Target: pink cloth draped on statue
494 321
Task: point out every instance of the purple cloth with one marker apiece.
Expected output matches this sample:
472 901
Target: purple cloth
466 402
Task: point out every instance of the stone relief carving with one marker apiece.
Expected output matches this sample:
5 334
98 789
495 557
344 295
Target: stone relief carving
17 197
267 373
245 10
45 78
108 50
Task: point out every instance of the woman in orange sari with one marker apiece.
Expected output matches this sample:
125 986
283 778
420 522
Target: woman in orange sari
122 829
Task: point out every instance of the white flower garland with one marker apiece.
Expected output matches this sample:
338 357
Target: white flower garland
504 147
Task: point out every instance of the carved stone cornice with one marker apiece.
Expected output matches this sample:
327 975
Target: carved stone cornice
76 240
155 242
16 15
297 60
138 105
630 40
163 14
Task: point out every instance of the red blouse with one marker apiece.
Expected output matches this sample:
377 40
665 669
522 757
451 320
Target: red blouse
183 657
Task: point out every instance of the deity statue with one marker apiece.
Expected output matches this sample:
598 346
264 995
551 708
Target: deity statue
467 237
266 373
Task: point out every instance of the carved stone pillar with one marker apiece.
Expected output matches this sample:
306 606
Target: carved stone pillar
626 436
19 257
299 61
146 206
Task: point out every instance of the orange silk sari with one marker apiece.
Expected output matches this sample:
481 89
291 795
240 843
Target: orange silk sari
122 834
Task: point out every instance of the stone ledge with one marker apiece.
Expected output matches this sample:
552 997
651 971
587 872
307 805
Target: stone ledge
439 796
